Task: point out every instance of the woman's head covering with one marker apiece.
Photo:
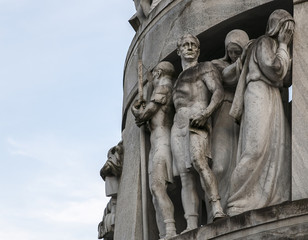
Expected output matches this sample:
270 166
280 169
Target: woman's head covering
238 37
276 20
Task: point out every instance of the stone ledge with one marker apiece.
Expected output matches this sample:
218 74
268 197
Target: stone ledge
288 220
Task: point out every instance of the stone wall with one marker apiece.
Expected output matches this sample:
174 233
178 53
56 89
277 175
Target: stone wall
300 102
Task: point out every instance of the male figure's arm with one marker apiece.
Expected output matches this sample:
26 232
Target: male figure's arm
211 78
158 99
144 114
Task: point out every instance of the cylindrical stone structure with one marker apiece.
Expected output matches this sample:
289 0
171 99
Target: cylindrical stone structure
155 40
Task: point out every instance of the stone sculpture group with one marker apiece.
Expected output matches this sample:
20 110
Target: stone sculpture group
227 112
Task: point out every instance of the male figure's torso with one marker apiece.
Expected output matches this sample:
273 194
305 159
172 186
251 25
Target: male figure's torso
190 94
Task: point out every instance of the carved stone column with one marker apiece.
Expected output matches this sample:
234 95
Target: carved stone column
300 102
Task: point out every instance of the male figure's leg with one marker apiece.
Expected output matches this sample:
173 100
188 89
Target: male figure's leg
190 200
161 201
207 178
189 195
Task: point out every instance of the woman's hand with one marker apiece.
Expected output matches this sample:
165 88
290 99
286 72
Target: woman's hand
286 33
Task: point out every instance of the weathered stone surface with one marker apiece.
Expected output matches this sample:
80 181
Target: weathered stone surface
284 221
300 103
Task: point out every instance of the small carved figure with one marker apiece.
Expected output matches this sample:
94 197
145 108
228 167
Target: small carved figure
106 226
113 165
112 169
159 114
111 173
225 129
197 93
262 175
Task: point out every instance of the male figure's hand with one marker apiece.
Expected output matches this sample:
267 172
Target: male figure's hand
138 103
137 109
199 120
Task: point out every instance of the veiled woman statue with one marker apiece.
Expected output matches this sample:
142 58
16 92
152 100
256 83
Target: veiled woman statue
225 129
262 174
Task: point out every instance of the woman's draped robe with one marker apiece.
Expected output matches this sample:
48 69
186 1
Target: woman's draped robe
262 173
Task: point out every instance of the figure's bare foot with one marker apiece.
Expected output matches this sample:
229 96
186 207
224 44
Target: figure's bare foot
187 230
219 215
192 222
169 234
168 237
170 229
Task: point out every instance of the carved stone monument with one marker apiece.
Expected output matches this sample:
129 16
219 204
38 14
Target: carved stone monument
111 173
210 80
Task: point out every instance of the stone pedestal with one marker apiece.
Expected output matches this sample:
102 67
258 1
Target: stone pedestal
284 221
111 186
300 102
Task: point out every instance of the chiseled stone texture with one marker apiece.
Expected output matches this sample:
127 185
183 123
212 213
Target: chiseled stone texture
300 102
288 220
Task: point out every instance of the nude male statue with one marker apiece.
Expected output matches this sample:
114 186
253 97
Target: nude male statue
159 113
197 93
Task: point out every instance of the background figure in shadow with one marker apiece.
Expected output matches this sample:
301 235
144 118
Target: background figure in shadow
225 129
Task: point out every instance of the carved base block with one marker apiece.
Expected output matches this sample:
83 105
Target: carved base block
288 220
111 186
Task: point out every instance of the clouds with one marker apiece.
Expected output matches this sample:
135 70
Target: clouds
55 186
80 213
61 67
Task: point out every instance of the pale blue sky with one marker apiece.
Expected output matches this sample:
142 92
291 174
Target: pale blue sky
61 71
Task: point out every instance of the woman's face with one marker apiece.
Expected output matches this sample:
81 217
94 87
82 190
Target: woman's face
234 51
